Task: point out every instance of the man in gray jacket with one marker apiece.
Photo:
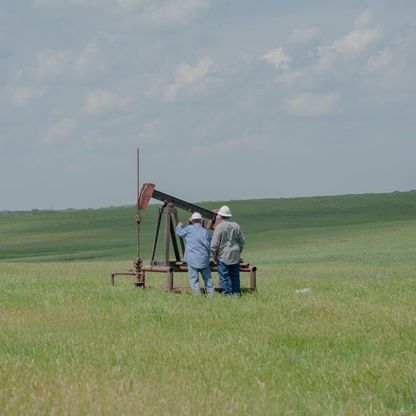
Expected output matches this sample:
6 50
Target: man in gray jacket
226 246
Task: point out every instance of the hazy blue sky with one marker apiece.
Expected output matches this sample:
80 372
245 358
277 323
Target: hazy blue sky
227 99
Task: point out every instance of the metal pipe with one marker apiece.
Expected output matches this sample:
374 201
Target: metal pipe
138 211
166 237
253 279
170 280
159 219
174 240
158 268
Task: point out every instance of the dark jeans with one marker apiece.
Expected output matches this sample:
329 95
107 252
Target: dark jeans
229 278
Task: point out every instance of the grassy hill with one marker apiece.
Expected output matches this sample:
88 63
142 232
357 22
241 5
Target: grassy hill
331 330
330 228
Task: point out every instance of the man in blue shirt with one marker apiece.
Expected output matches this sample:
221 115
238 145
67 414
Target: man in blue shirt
197 252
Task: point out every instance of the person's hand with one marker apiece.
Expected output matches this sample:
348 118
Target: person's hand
179 224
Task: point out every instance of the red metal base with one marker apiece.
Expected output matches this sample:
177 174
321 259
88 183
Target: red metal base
180 267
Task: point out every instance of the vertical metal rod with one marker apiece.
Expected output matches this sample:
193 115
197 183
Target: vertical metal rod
167 211
137 203
253 282
170 280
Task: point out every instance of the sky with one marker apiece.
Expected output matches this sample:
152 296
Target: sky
226 99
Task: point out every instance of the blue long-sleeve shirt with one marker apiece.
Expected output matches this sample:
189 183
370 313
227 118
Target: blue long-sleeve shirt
198 242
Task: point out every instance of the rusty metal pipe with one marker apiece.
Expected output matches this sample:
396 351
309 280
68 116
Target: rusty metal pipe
175 268
159 269
170 279
138 211
159 220
253 278
167 211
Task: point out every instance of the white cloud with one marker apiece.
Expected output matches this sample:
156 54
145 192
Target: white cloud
88 60
312 105
21 96
101 101
383 60
68 3
392 66
290 78
60 130
154 86
305 35
364 19
51 63
347 49
162 12
277 57
144 13
175 10
364 35
187 76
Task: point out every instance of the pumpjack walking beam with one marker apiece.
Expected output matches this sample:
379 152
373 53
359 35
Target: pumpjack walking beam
148 192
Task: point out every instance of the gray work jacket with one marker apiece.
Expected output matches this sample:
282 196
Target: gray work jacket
227 242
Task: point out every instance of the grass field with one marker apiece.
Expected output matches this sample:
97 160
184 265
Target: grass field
72 344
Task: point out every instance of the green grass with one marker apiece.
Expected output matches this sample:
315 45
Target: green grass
109 234
72 344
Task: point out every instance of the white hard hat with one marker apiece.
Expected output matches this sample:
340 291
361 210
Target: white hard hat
196 216
224 211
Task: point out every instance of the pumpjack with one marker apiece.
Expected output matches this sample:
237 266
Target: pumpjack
168 211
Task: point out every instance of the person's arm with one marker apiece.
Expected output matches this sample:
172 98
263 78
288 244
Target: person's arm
215 244
181 231
241 240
